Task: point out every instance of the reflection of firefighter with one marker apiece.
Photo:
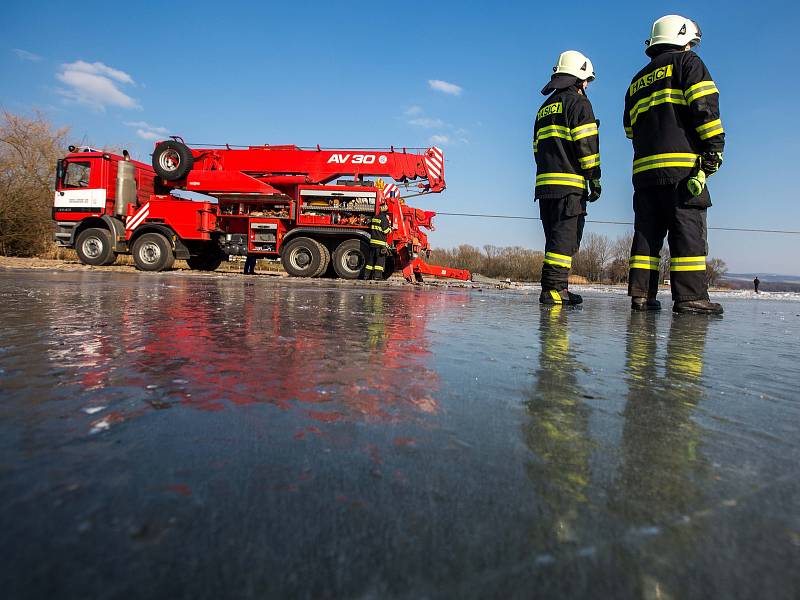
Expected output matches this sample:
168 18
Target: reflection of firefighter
376 326
378 248
657 482
558 432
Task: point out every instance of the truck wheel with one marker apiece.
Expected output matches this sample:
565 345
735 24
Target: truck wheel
301 257
325 260
204 262
172 160
152 252
349 258
94 247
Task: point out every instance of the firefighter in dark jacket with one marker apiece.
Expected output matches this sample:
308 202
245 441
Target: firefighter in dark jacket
672 116
567 154
380 227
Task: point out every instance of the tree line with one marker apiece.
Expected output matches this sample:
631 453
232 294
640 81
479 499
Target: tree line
600 259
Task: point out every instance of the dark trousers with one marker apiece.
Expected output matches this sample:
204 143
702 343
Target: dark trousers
250 264
562 219
376 262
669 210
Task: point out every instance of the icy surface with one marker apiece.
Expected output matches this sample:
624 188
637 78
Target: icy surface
207 437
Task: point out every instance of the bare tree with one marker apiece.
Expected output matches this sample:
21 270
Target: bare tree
620 254
715 271
29 149
592 258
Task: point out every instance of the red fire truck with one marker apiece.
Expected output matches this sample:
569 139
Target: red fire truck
310 207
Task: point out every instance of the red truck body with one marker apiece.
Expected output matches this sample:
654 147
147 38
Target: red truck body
310 207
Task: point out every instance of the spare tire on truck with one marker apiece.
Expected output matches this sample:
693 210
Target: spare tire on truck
172 160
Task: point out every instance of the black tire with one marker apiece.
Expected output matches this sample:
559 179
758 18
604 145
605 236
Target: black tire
152 252
325 260
172 160
94 246
204 262
350 257
301 257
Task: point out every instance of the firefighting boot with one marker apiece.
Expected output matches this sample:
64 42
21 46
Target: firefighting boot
700 307
562 297
639 303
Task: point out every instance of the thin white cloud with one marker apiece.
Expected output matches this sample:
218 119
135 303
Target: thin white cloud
413 111
445 87
439 139
25 55
98 68
427 123
96 85
148 132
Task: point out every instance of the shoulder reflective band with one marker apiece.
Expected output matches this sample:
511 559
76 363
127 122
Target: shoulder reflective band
556 297
559 260
688 263
662 161
629 133
648 263
569 179
698 90
588 162
583 131
660 97
710 129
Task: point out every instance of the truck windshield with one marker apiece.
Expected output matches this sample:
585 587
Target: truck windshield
77 175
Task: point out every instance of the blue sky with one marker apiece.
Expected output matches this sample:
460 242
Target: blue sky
358 74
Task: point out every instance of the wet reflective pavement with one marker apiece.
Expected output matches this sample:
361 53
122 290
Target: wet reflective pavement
210 437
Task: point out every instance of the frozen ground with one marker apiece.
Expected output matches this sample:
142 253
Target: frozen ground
211 437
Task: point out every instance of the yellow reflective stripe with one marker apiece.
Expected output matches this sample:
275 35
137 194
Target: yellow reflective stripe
649 263
559 128
629 133
660 97
559 260
660 161
587 162
377 242
710 129
584 131
568 179
688 263
368 267
556 296
388 230
378 268
698 90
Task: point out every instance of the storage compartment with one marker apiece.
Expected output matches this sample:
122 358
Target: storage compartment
263 235
336 205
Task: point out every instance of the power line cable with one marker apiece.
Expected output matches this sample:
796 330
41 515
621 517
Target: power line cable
520 217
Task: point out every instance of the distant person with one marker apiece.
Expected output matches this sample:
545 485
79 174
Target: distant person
380 228
672 116
567 154
250 264
756 283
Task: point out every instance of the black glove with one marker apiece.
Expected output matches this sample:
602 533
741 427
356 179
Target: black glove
595 189
712 161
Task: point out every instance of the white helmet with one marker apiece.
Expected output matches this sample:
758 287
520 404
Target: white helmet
674 30
574 63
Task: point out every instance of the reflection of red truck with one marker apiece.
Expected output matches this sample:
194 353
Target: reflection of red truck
312 208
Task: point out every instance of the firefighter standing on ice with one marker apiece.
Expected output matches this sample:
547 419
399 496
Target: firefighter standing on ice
566 149
672 116
380 227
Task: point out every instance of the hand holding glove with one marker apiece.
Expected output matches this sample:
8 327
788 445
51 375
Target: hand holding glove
595 189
